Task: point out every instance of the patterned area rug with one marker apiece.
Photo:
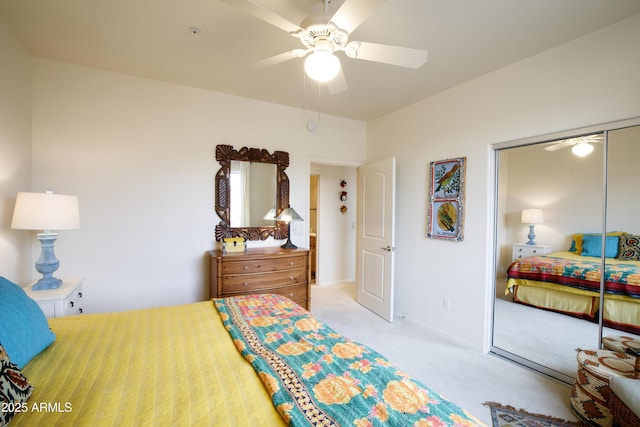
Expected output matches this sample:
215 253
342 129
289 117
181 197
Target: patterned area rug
508 416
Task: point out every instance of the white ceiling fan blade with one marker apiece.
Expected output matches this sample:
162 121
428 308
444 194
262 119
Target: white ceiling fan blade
352 13
338 84
277 59
254 8
560 145
394 55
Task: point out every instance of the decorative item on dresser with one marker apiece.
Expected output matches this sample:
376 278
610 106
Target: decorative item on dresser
260 271
523 250
63 301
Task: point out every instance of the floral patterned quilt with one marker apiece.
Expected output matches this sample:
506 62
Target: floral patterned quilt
317 377
580 272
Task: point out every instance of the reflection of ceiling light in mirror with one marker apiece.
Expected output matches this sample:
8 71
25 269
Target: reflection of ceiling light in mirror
582 149
322 65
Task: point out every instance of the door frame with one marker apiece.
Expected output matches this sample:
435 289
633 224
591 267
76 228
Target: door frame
327 162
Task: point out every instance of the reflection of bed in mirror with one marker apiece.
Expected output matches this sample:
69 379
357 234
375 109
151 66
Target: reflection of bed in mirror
569 283
578 194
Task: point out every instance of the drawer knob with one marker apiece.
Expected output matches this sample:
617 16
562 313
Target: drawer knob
79 294
245 283
290 262
291 295
80 310
246 267
292 278
71 304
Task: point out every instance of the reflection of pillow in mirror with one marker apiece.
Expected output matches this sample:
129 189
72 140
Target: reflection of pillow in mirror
629 248
592 246
576 243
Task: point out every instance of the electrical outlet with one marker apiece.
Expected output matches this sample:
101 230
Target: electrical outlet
445 304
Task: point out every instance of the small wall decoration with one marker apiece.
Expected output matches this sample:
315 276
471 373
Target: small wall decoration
445 218
343 196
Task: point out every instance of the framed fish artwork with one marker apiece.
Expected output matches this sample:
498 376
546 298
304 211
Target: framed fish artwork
445 217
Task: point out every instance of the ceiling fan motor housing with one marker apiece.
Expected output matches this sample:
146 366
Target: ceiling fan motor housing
319 33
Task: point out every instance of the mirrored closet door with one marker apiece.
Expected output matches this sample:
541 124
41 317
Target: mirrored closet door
579 184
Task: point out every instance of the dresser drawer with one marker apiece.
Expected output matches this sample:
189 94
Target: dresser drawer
73 303
263 265
260 282
524 250
296 293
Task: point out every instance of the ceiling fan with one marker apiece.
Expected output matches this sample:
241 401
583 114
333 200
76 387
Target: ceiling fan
581 145
324 35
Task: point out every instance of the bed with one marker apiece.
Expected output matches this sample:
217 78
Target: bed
569 282
253 360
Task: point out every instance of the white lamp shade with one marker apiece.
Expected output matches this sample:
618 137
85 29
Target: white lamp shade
45 211
532 216
322 66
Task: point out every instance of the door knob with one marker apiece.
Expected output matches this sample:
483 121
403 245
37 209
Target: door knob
388 248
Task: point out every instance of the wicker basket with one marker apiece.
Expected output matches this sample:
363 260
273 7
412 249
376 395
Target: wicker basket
621 414
590 395
623 344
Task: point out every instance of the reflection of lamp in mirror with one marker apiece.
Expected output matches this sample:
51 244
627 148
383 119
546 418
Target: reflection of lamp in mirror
271 215
288 215
582 149
532 217
46 211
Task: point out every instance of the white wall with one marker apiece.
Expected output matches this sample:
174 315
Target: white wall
15 152
587 81
139 154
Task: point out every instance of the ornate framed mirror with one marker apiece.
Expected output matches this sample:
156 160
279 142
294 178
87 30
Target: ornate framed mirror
250 183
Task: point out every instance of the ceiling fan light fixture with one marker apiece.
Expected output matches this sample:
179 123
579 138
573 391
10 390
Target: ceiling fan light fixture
322 65
582 149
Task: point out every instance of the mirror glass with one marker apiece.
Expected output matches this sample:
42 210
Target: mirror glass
253 193
530 324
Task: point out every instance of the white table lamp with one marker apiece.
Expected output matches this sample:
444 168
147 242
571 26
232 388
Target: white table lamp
46 211
532 217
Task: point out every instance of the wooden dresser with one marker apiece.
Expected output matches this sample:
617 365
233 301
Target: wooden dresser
260 271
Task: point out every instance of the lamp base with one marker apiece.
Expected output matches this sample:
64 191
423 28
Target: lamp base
531 235
47 264
289 245
47 283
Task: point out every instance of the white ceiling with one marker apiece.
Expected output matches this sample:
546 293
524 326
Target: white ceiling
151 39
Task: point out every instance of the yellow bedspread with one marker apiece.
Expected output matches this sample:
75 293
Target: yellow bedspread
168 366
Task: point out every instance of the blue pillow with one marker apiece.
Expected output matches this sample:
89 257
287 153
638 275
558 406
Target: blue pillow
24 329
592 246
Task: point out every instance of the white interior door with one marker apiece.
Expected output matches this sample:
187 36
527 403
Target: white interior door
375 244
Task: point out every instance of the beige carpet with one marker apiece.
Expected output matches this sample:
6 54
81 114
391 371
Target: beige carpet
458 373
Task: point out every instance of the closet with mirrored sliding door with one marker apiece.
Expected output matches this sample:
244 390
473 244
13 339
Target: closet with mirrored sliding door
584 186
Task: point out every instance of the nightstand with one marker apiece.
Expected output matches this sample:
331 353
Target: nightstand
63 301
522 250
